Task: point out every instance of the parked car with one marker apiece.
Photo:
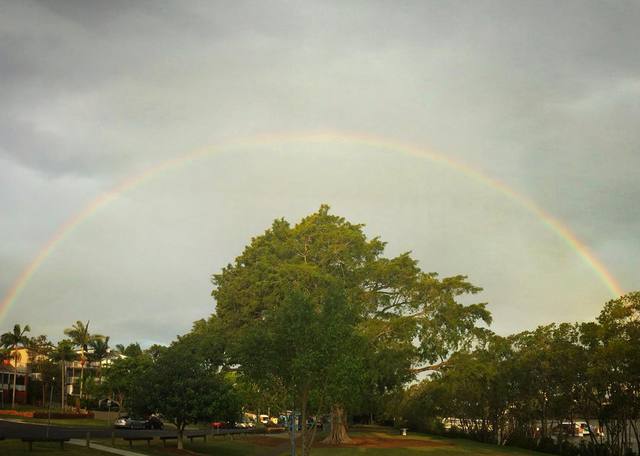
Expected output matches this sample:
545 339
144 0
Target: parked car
128 422
246 425
576 429
154 422
221 424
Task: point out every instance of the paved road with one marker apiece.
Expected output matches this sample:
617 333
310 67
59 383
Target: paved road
13 429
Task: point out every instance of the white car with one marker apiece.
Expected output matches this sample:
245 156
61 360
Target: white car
245 425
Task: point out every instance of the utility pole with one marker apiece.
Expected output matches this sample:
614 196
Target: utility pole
53 379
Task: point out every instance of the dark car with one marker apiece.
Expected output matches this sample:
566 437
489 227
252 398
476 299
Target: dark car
128 422
154 422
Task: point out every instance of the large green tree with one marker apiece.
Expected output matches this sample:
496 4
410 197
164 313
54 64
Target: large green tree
396 312
123 379
611 393
184 383
323 362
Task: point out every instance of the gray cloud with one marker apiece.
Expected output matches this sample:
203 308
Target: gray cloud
543 96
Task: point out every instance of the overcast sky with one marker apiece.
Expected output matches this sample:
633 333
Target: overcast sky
543 96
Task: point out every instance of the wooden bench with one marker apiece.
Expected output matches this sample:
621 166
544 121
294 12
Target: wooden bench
132 439
31 440
197 436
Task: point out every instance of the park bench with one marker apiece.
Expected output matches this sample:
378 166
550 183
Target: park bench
31 440
132 439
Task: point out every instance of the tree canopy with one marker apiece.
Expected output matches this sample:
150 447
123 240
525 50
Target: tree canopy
183 382
518 390
288 282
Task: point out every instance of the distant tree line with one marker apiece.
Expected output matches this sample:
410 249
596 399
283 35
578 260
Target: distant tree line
518 390
183 381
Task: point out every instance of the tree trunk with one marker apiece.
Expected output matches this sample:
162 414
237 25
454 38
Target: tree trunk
180 438
306 445
306 449
62 386
338 433
15 379
81 377
121 399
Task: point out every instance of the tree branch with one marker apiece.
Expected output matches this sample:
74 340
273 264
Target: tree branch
433 367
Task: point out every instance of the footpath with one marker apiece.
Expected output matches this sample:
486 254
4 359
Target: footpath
106 449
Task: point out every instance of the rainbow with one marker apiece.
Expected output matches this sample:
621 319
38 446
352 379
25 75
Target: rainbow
332 137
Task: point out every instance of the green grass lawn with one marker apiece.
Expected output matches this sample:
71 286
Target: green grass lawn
255 446
276 445
18 448
219 446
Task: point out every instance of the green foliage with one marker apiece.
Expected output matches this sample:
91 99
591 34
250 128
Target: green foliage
186 387
323 358
41 364
82 339
79 334
315 312
99 349
512 389
133 349
16 338
64 351
123 379
183 382
13 340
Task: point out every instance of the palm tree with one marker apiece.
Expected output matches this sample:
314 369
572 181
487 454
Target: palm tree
131 350
100 352
63 353
13 340
81 338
